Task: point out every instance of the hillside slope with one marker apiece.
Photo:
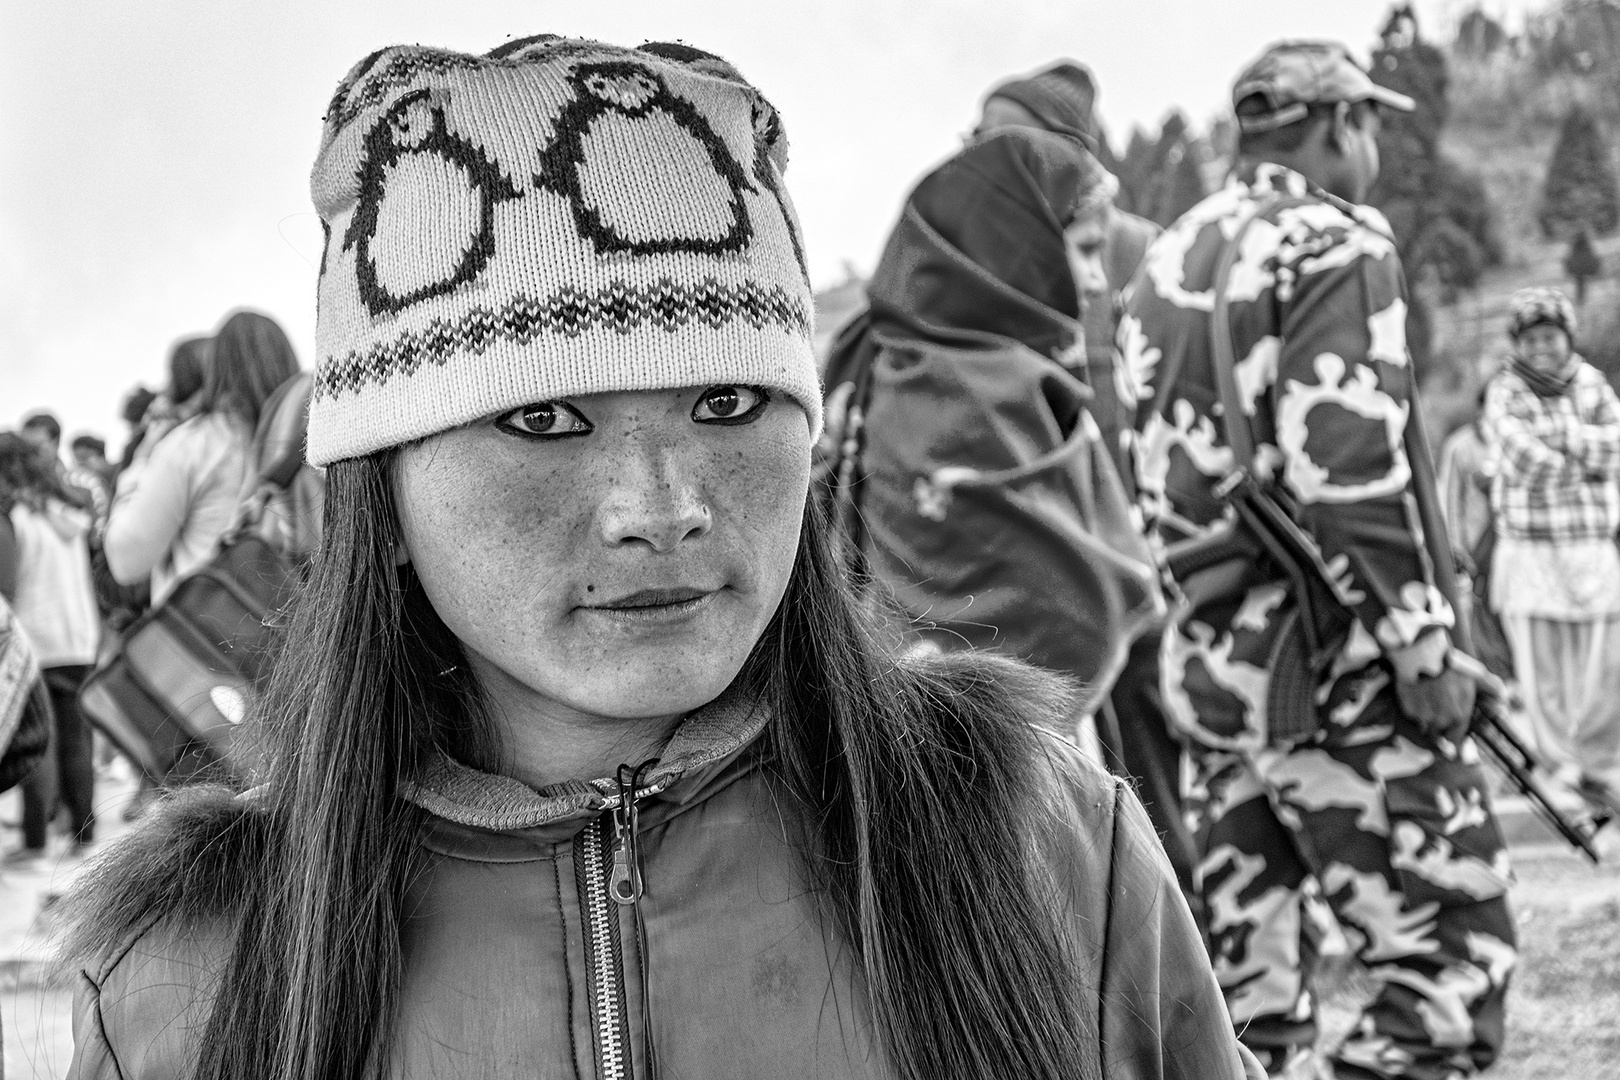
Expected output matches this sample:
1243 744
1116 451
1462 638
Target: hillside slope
1504 119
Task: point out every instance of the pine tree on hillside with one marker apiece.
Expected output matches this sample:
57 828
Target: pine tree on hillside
1580 190
1185 187
1582 263
1147 175
1135 169
1479 35
1441 218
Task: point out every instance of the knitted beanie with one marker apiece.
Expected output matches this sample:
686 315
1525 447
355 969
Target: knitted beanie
1061 98
554 218
1529 307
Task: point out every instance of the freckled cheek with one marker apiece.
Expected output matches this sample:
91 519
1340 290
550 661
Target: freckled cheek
480 533
762 489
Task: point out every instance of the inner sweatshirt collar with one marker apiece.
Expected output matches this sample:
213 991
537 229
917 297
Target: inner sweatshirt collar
459 793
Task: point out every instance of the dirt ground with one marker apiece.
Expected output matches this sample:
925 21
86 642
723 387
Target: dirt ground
1564 1005
1564 1001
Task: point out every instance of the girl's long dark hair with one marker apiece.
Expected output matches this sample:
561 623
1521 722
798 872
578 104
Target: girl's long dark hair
251 357
922 787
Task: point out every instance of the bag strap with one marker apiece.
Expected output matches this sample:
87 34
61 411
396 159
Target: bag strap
284 420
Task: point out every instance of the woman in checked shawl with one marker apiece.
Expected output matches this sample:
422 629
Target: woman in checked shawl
1553 426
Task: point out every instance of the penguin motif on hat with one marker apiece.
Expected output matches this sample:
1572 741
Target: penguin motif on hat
425 224
770 158
622 119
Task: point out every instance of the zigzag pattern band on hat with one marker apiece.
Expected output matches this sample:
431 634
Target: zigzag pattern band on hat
569 313
556 218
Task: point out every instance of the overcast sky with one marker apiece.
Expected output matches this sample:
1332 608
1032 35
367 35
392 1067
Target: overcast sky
156 154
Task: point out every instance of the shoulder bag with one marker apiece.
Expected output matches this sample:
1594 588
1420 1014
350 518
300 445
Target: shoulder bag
174 695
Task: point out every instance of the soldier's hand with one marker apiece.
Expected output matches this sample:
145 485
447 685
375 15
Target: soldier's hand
1441 704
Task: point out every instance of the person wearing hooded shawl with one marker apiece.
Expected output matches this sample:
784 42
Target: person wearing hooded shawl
1552 427
1136 739
968 474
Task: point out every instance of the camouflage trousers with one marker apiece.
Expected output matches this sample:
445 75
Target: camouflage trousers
1400 840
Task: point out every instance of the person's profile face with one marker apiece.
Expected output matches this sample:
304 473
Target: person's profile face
1085 239
1545 347
1361 160
615 555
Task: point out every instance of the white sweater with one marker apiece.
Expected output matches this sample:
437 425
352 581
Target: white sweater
56 603
170 513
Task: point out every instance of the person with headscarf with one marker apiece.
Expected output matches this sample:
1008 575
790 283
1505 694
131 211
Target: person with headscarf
1062 99
1131 726
957 412
1552 423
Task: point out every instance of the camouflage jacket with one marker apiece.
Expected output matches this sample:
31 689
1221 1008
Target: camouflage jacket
1318 323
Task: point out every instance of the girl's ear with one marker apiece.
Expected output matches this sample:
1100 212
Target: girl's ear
402 554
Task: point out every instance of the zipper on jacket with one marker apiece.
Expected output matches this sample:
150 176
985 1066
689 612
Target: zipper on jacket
608 869
604 958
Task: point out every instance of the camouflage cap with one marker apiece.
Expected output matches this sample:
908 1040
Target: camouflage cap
1291 76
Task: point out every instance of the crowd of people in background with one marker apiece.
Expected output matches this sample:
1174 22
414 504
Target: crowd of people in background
87 545
1053 433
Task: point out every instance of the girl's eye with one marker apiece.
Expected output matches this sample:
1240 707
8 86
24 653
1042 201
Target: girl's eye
730 404
545 420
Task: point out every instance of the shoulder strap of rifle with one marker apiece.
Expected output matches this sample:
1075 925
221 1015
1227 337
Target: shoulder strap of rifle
1222 356
1241 440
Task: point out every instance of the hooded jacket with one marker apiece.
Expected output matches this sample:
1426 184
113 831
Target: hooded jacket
519 961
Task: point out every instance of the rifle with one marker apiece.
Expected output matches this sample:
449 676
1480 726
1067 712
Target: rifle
1264 525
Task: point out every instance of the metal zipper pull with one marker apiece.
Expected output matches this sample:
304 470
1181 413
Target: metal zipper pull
624 880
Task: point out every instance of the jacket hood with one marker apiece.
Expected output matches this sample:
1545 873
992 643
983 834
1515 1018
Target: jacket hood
705 741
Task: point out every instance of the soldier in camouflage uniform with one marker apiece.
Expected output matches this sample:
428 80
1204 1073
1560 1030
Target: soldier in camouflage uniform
1383 805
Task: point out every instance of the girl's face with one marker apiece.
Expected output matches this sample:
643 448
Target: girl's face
1544 347
610 555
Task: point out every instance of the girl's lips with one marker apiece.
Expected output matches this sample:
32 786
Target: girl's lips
647 598
655 607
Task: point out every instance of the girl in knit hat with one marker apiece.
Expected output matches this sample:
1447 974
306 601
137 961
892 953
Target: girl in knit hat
584 762
1552 424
